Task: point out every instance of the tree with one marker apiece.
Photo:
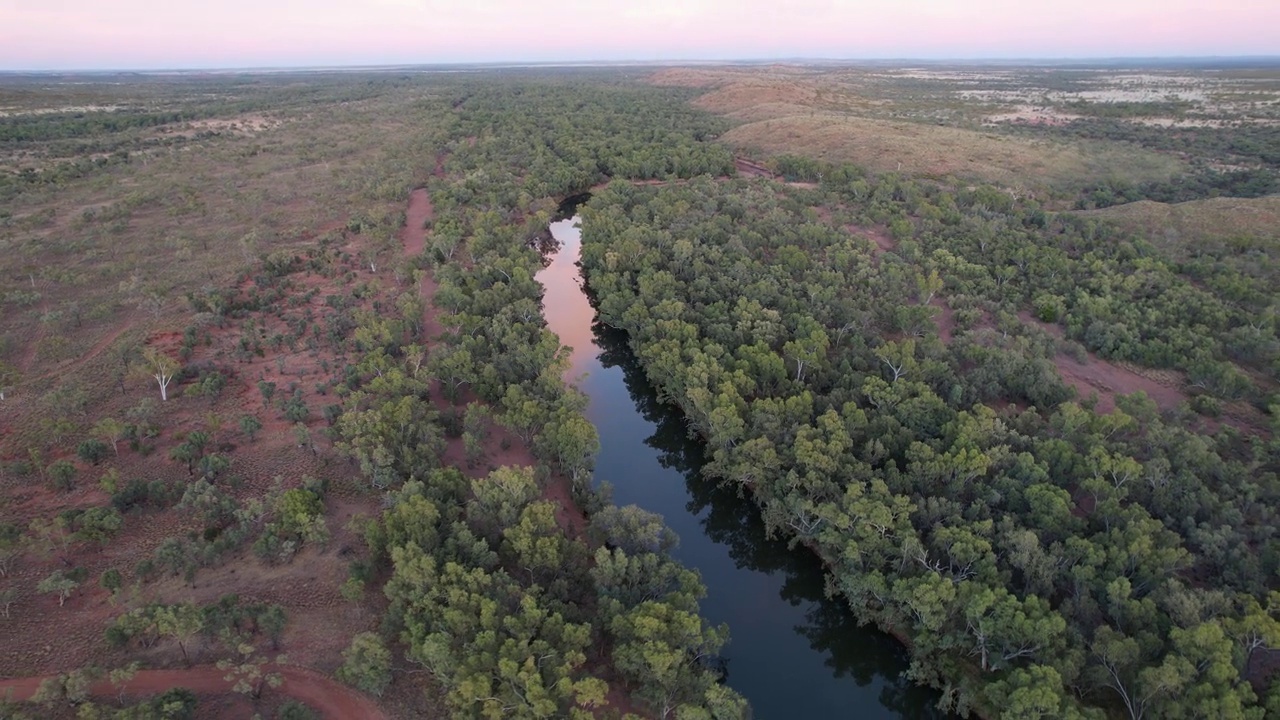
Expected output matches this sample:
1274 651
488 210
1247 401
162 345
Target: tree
631 529
1003 628
121 676
367 664
272 621
499 499
1257 627
58 584
267 390
663 651
71 687
162 368
250 425
297 510
927 286
454 366
111 580
572 441
213 465
7 597
182 622
809 346
98 524
899 358
110 430
1031 693
185 453
249 674
63 474
1212 686
1120 668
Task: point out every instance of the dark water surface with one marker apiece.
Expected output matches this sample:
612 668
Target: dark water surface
793 653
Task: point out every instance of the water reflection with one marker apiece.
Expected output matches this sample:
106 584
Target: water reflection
562 290
863 655
793 652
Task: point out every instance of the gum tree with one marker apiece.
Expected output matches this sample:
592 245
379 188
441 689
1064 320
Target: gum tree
162 368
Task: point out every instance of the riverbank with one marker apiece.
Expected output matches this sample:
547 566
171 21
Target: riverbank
793 652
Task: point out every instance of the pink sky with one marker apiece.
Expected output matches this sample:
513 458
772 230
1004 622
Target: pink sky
65 34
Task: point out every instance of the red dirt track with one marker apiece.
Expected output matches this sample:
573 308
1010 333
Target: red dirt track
1105 378
331 698
419 211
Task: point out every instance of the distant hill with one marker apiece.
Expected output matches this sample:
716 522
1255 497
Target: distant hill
790 110
1178 224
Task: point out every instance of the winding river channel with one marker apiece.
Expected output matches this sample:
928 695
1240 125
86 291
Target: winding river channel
793 653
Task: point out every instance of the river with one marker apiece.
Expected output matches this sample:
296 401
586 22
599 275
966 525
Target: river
793 653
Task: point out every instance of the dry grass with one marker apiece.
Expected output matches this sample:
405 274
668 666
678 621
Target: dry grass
845 115
917 148
1212 219
758 100
94 264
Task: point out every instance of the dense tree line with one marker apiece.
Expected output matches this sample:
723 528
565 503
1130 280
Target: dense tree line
562 138
27 128
1205 183
511 613
1044 560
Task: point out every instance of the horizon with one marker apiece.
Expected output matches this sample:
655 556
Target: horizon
138 35
1087 62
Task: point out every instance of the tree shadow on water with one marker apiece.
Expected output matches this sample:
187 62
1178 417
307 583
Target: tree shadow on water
860 653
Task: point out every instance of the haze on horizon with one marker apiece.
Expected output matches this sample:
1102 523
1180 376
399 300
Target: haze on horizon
147 34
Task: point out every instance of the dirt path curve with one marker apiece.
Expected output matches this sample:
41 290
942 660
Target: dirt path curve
328 696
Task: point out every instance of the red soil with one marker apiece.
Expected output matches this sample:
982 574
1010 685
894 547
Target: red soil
420 211
883 241
331 698
502 447
1105 378
1108 380
414 237
945 319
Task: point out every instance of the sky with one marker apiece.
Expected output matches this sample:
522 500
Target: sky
170 34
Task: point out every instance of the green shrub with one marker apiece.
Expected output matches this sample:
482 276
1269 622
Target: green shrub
62 474
294 710
367 664
92 450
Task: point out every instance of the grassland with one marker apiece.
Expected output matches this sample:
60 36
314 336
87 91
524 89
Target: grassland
939 151
125 207
1196 221
94 263
854 115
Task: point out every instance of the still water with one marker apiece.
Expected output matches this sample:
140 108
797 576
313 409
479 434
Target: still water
792 652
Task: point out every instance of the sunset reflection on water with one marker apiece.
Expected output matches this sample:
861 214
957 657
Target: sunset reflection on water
568 312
